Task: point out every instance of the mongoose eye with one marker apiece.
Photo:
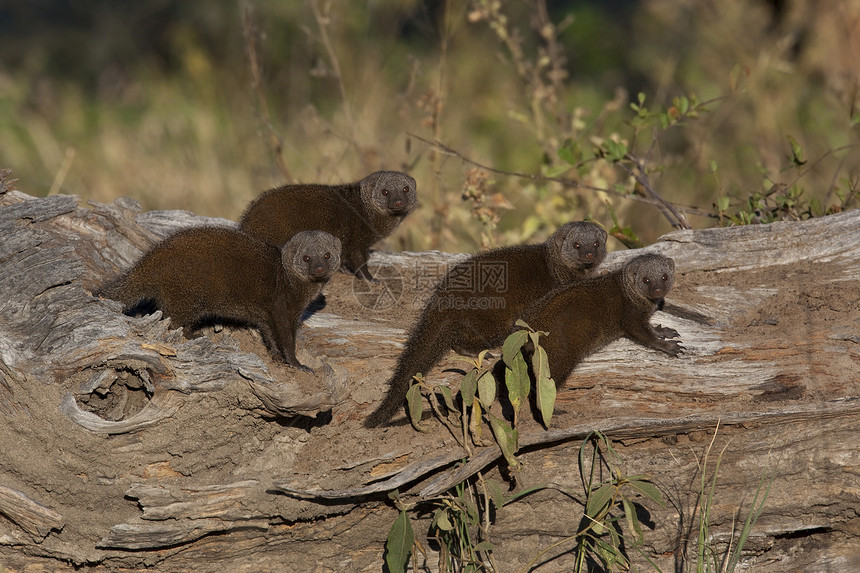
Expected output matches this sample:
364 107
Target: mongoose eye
665 277
385 192
596 244
327 255
306 258
646 280
405 189
576 245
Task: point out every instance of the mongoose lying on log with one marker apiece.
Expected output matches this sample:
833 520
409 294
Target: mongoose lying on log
359 214
210 274
478 301
584 317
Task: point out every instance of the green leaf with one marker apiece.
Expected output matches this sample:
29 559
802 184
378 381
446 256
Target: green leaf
648 490
712 166
614 150
497 494
546 390
475 425
570 152
525 492
599 499
507 438
468 387
632 520
415 404
487 389
517 381
796 152
556 170
441 519
522 324
512 345
398 546
448 397
484 546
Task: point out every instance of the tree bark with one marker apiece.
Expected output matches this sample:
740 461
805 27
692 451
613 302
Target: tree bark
127 446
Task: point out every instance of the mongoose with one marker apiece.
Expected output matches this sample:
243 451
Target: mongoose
584 317
359 214
478 301
206 274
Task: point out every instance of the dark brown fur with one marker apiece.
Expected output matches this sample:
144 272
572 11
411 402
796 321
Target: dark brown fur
202 275
359 214
526 273
584 317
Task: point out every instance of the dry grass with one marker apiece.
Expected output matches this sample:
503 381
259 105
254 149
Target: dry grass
490 80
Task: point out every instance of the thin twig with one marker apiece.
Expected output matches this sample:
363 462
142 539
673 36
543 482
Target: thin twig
275 141
669 211
63 171
323 21
564 181
434 404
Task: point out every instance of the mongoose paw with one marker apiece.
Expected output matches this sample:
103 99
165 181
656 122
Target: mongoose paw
302 368
673 347
666 332
361 272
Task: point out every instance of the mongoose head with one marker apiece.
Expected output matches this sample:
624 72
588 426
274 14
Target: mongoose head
389 193
311 255
649 277
581 244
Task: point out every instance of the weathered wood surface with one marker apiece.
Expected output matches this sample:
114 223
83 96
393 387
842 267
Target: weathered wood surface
126 446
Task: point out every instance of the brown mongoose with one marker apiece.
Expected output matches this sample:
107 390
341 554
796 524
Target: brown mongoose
208 274
359 214
584 317
478 301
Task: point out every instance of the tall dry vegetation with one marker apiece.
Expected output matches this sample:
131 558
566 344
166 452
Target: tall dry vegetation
513 116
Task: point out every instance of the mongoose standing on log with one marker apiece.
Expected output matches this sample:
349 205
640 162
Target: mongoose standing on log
359 214
584 317
478 301
207 274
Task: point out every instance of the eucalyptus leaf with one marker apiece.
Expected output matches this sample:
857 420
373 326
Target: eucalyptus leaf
507 438
512 345
415 404
468 387
648 490
599 499
398 546
448 397
546 390
487 389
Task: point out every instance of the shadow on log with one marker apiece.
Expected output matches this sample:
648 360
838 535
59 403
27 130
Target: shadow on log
127 446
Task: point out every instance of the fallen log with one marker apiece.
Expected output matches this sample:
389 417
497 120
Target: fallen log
128 446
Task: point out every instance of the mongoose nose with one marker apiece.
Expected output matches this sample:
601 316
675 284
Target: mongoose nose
398 203
589 255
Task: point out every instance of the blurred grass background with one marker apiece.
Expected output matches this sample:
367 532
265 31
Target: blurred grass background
156 99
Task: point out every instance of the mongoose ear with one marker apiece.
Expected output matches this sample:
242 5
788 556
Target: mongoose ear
602 232
337 245
561 234
369 183
288 253
671 264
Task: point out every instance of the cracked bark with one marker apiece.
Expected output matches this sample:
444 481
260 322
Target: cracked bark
128 446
